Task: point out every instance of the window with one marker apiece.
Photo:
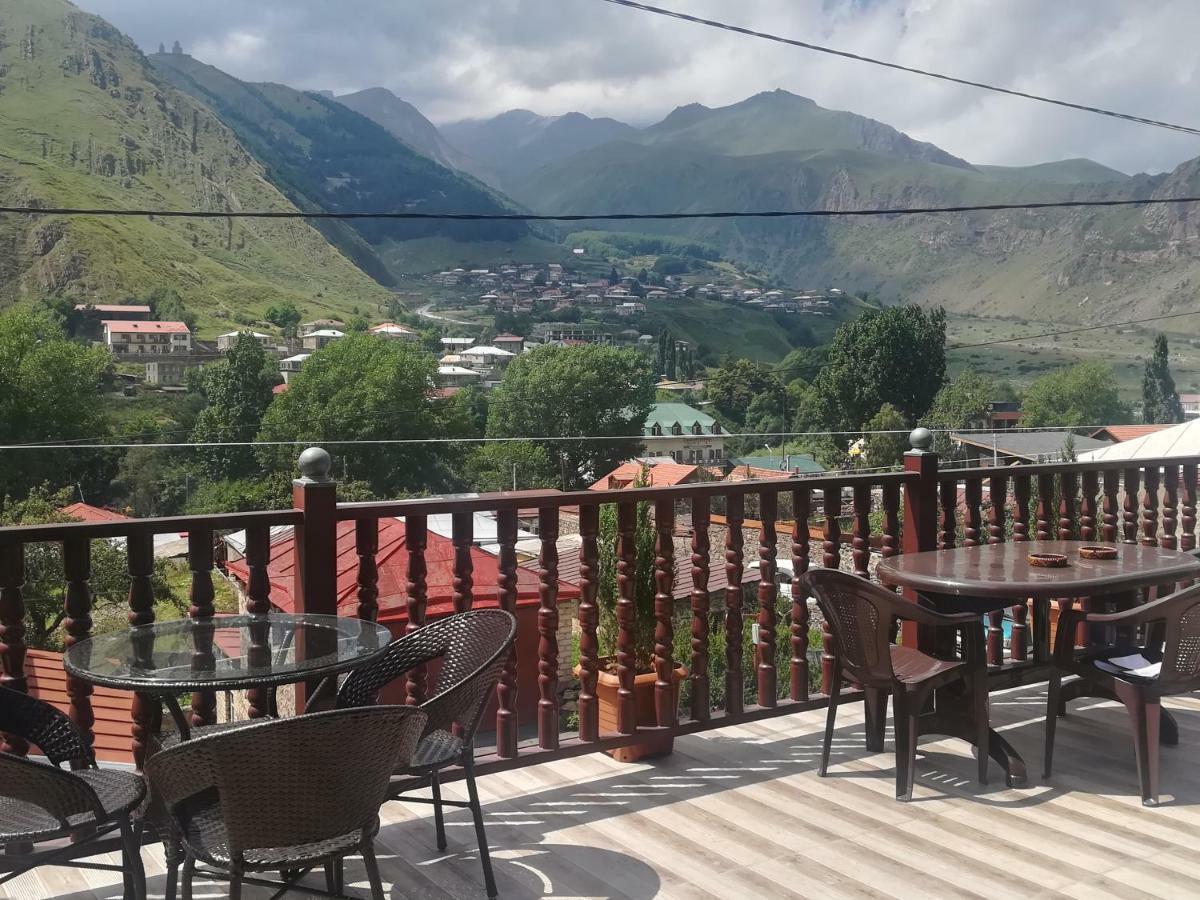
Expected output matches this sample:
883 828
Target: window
718 453
676 429
716 429
656 430
696 429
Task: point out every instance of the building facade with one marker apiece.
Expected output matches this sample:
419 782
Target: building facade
683 433
146 338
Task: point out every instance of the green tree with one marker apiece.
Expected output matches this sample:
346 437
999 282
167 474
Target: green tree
50 391
886 446
964 403
614 277
285 316
1160 400
1084 394
238 391
643 588
362 388
510 465
167 306
895 356
737 384
599 394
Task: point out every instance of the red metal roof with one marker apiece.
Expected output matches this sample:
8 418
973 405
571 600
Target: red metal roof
113 709
392 562
85 512
146 327
114 308
1120 433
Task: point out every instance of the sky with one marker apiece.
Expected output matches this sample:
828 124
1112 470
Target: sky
456 59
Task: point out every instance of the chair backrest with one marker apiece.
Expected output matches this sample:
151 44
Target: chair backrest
285 782
59 793
45 727
859 614
1180 672
473 648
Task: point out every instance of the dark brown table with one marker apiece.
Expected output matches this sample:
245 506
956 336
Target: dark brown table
993 577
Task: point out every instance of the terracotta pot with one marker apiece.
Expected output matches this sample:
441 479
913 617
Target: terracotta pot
607 684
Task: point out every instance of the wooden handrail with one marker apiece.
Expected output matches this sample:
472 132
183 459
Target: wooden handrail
61 531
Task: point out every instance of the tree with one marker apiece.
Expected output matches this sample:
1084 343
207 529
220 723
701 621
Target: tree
886 438
737 384
362 388
599 394
167 306
161 48
643 583
357 324
613 277
895 356
1084 394
510 466
964 403
238 392
1160 400
285 316
50 390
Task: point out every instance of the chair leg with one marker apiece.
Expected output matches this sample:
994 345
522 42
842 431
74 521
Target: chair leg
439 819
907 708
135 873
235 887
372 867
875 702
485 855
1144 714
982 730
189 872
835 691
1054 703
333 876
172 860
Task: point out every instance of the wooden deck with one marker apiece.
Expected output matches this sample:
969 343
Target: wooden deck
740 812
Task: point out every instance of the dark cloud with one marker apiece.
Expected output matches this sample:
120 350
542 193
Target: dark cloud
466 58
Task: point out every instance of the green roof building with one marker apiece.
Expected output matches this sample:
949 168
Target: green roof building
683 433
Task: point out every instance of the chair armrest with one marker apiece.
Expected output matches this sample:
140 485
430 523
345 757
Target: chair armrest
913 612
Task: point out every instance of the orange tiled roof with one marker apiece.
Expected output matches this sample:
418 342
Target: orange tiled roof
661 475
85 512
1121 433
146 327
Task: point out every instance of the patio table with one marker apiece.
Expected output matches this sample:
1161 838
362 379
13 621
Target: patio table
992 577
225 653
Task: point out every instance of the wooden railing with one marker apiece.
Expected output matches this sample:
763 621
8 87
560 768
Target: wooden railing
861 517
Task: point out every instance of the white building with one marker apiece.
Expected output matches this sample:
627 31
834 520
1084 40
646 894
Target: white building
394 332
487 357
290 366
141 338
683 433
457 376
317 340
225 342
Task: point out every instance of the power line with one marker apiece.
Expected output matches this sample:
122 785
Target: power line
857 57
580 217
1031 337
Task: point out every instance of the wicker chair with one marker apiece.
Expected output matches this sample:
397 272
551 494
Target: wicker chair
284 794
860 617
1171 627
42 802
473 648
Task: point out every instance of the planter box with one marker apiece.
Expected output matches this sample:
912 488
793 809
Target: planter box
607 685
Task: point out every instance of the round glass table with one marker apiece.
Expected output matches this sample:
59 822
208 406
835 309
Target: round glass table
225 653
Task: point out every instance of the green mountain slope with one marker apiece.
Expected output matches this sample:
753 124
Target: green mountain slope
86 121
326 156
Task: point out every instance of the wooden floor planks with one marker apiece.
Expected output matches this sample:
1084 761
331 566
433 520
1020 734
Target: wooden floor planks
740 813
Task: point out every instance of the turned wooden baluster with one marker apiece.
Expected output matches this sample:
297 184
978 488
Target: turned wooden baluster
1019 648
589 621
1045 508
664 607
1187 540
947 523
12 631
548 629
146 711
831 558
802 508
462 535
1129 511
768 595
1066 507
735 514
506 596
77 622
1150 507
201 595
366 547
1109 511
415 540
701 608
626 617
1170 509
889 541
973 500
258 603
1087 505
998 497
860 541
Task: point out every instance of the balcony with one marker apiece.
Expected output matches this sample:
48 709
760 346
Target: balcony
737 807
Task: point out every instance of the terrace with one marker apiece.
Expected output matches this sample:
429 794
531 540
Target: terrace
737 808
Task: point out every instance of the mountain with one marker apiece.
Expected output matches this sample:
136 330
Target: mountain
325 156
517 142
405 123
88 122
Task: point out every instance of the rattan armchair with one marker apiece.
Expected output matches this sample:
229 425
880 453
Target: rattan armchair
284 794
1171 638
860 616
472 648
42 802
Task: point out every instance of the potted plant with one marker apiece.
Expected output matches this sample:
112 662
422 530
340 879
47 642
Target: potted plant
607 682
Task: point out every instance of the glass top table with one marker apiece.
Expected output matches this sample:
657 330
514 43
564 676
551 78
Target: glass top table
225 653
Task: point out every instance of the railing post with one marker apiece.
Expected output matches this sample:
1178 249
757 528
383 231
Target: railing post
920 510
12 630
315 588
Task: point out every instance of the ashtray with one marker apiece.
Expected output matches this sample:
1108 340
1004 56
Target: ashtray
1094 552
1048 560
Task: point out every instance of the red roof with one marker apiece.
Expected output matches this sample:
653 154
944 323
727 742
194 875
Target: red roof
1119 433
145 327
114 308
279 388
754 473
85 512
113 709
392 562
661 475
508 337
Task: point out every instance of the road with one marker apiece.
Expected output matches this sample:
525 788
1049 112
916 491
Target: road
424 312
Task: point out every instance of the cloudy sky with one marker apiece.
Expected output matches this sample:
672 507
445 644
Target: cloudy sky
472 58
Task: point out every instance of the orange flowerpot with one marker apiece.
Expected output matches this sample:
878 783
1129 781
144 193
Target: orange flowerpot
607 685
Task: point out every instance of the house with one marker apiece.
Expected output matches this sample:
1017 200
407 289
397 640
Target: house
225 342
457 376
112 709
1191 405
487 357
291 366
318 324
510 342
1004 414
165 371
116 312
1173 441
318 340
126 338
683 433
789 464
394 332
1116 434
630 308
1021 447
662 474
457 344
